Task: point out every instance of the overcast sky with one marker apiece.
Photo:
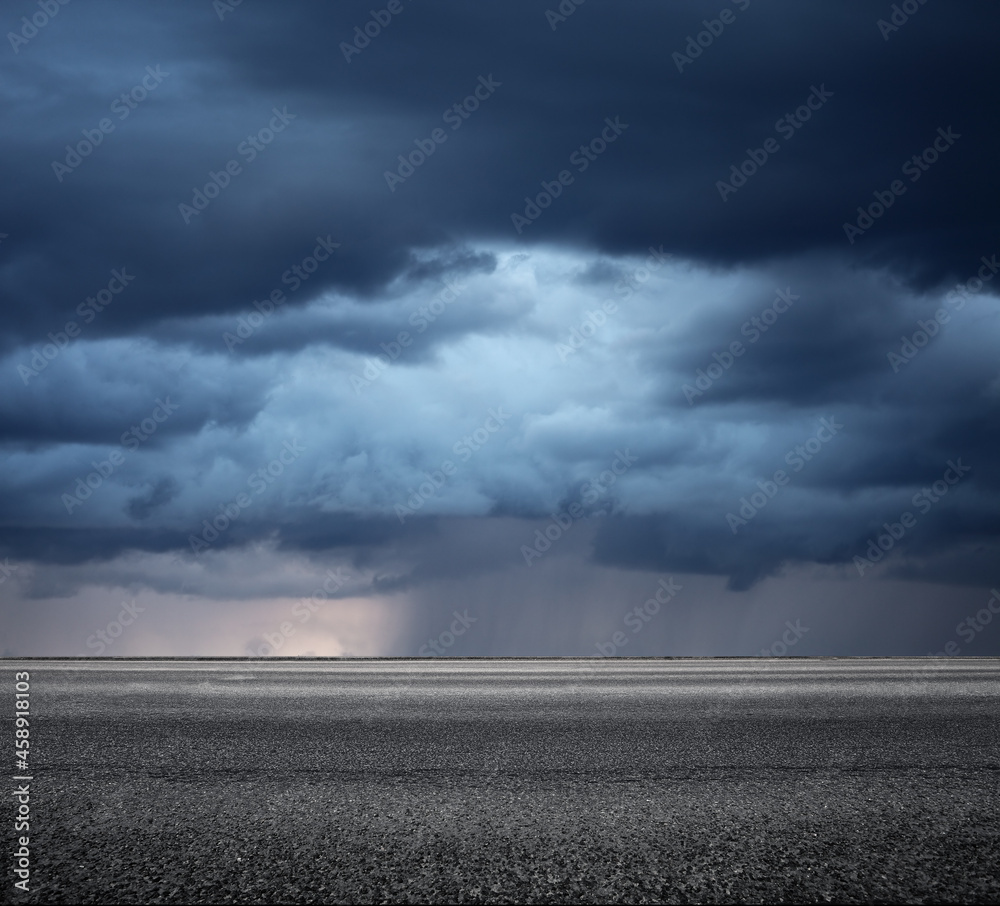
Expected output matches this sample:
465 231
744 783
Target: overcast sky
468 328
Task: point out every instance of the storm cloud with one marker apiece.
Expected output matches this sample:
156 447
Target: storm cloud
508 311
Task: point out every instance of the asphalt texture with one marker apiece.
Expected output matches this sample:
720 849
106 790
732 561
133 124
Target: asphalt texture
510 781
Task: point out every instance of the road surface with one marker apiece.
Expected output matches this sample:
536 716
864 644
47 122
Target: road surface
513 780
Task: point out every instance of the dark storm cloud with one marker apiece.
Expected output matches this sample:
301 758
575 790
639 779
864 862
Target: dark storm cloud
105 399
414 301
324 173
73 546
143 505
274 203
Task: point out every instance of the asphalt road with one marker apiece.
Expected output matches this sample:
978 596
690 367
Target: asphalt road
513 781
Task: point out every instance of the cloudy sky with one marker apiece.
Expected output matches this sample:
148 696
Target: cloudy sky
466 328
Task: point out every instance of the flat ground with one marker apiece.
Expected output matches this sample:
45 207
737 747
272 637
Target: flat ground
512 781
